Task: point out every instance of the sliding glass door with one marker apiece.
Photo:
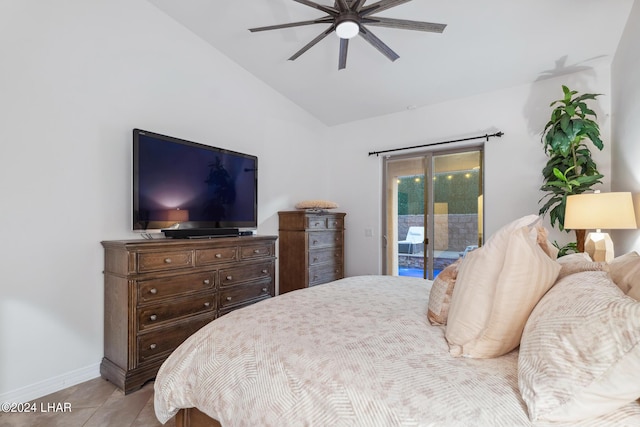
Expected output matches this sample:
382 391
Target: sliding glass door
433 210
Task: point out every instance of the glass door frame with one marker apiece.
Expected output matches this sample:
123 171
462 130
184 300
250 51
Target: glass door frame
429 219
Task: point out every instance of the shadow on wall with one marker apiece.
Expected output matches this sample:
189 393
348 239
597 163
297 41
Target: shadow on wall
536 109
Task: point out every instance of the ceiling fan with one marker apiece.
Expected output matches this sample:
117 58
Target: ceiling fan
348 19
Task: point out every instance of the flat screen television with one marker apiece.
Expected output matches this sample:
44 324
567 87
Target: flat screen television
188 189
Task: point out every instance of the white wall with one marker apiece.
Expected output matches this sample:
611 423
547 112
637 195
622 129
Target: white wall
76 77
625 157
513 163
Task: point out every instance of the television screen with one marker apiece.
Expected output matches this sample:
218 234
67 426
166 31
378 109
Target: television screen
183 184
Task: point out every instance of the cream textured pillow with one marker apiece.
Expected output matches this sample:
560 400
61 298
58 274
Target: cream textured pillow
527 273
440 295
625 271
472 299
580 351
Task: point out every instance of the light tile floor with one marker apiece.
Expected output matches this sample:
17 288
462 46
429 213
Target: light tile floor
95 403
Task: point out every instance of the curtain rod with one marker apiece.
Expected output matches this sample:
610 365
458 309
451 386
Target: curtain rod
487 136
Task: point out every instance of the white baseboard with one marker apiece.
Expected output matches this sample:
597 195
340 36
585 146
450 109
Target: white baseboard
51 385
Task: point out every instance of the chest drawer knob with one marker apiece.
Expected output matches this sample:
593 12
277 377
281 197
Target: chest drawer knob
152 346
206 281
218 255
167 261
256 251
229 277
229 298
265 271
207 304
315 259
264 289
153 317
315 242
153 291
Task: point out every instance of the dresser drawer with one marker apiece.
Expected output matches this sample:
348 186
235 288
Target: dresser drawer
324 273
323 239
213 256
167 287
234 275
153 316
316 223
257 251
156 261
240 294
160 343
323 256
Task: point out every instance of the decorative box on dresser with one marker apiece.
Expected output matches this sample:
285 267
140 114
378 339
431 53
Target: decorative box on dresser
159 292
311 248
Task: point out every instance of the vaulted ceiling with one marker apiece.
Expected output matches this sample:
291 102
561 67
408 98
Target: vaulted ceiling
487 45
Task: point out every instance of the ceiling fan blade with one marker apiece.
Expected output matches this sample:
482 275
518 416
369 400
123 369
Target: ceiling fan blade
378 44
380 6
405 24
342 4
326 20
326 9
357 5
312 43
342 57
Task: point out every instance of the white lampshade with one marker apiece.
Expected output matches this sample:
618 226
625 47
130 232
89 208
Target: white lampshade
599 211
347 29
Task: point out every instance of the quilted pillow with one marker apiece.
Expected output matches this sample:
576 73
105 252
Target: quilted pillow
440 295
580 351
578 262
625 271
473 303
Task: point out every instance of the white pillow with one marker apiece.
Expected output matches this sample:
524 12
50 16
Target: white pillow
526 274
580 351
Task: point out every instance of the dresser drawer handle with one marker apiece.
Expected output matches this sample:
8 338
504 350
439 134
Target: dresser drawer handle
256 251
264 289
167 261
206 281
207 304
153 291
152 347
229 277
229 298
315 276
315 242
317 224
265 271
315 260
218 255
153 317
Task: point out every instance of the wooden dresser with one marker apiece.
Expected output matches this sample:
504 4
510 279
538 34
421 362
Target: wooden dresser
159 292
311 248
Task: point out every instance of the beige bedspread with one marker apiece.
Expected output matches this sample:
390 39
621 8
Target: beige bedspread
355 352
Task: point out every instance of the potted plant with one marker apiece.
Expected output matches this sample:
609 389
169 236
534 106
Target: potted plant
570 168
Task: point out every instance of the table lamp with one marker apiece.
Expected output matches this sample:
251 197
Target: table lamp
598 211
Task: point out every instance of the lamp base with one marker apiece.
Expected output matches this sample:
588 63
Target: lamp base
599 246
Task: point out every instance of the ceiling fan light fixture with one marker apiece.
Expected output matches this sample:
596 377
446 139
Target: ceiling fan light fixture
347 29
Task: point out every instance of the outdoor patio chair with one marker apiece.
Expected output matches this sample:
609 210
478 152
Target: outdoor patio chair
414 241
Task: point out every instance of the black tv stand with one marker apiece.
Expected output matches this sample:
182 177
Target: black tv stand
200 233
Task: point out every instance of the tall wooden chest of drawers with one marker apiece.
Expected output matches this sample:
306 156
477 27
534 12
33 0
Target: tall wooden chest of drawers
311 248
159 292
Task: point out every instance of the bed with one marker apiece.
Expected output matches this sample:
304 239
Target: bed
361 351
